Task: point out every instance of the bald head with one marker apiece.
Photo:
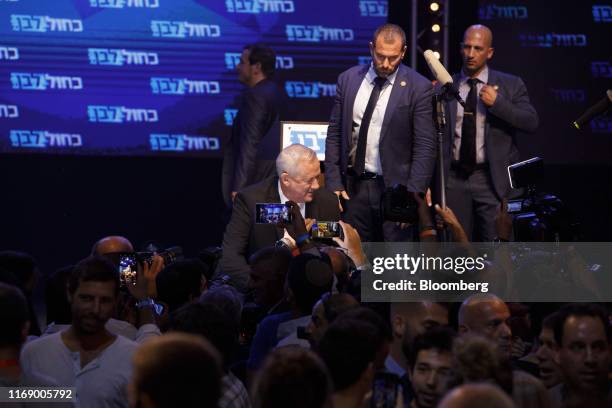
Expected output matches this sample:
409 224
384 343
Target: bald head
472 308
480 31
487 315
476 49
476 395
112 244
409 319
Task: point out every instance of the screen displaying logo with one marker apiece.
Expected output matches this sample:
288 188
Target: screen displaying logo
119 57
299 89
183 86
42 24
119 4
494 11
179 143
309 134
184 29
42 82
260 6
311 33
373 8
42 139
120 114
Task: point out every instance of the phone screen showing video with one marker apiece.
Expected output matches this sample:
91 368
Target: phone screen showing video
273 213
326 230
128 269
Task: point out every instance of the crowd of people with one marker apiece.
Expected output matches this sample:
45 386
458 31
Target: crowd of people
278 320
298 336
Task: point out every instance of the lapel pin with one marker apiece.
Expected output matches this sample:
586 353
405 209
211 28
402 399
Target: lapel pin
403 83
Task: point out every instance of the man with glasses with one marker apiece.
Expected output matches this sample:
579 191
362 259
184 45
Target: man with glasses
481 136
380 134
297 180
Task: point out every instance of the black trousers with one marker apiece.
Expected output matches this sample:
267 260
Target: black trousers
362 211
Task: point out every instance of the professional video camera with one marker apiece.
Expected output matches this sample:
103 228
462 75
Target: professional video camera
538 217
398 205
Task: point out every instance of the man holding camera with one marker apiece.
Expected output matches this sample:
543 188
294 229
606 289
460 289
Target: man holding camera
298 172
380 134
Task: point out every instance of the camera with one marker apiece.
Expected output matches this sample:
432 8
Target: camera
538 217
326 230
272 213
543 218
129 261
399 205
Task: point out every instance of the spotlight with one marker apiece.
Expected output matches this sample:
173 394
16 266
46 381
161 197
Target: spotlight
436 54
434 7
435 28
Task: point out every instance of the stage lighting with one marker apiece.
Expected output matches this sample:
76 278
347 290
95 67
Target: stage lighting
435 28
436 54
434 7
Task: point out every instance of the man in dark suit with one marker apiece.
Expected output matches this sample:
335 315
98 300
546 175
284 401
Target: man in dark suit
298 172
255 137
480 140
380 134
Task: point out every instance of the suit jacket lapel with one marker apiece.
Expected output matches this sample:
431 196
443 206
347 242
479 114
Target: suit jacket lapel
394 98
351 94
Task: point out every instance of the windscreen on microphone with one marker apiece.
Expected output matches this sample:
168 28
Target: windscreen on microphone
441 74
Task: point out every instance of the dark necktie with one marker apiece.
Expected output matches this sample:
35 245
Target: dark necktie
467 152
359 166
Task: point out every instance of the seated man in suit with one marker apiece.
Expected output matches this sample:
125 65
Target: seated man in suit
298 172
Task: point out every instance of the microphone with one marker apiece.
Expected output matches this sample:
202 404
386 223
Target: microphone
598 109
442 76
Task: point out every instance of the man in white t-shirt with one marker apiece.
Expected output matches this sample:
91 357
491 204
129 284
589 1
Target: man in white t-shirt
86 355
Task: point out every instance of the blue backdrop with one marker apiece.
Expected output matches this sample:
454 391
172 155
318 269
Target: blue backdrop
142 77
562 51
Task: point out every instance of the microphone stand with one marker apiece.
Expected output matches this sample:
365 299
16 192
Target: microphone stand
439 102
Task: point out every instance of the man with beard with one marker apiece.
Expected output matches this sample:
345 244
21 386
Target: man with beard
380 134
86 355
583 337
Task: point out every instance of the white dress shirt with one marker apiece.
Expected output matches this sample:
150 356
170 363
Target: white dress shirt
372 158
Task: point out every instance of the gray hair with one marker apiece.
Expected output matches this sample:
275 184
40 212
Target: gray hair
289 159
